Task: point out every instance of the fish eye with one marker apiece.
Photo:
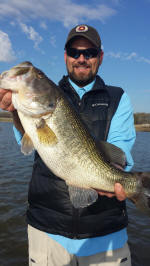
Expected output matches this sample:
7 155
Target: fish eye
51 105
39 75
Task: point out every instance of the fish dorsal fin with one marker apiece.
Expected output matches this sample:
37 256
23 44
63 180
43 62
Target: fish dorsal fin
45 134
26 145
81 197
112 153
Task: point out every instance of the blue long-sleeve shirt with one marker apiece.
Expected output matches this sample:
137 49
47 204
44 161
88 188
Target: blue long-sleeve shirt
121 134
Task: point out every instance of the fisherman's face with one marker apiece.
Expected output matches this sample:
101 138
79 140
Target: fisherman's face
81 70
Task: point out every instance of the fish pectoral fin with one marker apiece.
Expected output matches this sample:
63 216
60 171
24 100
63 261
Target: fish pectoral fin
26 145
45 134
81 197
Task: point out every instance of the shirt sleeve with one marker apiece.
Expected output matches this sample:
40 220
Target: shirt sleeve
122 131
18 135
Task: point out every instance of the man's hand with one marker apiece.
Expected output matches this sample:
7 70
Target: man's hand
6 104
118 192
6 100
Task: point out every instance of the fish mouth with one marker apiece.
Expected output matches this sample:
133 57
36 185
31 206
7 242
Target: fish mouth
35 111
30 108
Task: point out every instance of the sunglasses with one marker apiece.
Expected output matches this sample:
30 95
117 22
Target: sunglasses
87 53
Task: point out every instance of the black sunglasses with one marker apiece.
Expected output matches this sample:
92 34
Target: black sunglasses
87 53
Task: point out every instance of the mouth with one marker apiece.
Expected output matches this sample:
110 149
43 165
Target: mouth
81 67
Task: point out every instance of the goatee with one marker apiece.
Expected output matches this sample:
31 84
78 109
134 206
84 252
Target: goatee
81 82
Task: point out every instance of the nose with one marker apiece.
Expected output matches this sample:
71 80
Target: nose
81 58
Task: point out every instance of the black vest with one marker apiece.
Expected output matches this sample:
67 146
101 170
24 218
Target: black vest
50 209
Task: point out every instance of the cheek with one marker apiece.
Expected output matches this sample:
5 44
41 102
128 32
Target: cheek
95 65
69 63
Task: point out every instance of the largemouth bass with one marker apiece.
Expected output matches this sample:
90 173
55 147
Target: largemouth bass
55 130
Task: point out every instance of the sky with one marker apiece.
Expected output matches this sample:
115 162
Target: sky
36 31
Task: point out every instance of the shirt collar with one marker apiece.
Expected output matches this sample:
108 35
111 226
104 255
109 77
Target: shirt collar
83 90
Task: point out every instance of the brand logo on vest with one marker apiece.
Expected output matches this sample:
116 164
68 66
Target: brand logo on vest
99 104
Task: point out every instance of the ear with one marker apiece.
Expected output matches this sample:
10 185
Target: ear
101 57
65 56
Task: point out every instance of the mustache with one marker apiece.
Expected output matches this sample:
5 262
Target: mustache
81 64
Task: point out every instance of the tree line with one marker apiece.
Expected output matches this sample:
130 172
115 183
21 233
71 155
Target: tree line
5 114
139 118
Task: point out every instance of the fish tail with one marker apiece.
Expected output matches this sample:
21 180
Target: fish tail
142 198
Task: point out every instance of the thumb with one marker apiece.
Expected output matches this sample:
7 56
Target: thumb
119 192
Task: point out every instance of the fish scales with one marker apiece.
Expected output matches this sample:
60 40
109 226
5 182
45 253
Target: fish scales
56 131
82 149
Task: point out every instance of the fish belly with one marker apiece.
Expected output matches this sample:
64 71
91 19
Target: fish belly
59 159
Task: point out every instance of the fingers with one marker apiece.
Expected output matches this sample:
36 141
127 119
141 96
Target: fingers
108 194
2 93
6 100
119 192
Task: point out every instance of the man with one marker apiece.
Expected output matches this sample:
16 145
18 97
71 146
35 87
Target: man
60 234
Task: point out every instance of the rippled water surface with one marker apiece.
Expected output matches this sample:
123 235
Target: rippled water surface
15 174
139 224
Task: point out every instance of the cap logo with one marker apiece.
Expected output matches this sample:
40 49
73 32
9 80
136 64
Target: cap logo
82 28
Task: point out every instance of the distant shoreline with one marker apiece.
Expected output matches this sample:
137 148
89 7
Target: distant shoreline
6 119
143 127
6 116
139 128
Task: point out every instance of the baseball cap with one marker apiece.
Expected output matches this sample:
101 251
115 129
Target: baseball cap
87 32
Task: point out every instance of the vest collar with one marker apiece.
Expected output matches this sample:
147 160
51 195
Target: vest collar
99 83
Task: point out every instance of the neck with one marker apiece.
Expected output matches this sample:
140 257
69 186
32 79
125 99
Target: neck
82 83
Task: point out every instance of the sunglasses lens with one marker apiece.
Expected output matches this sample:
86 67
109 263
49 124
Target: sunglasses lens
93 52
72 52
87 53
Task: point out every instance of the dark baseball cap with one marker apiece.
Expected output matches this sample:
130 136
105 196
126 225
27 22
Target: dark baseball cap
85 31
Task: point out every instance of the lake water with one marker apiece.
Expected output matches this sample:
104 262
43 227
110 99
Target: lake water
15 174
